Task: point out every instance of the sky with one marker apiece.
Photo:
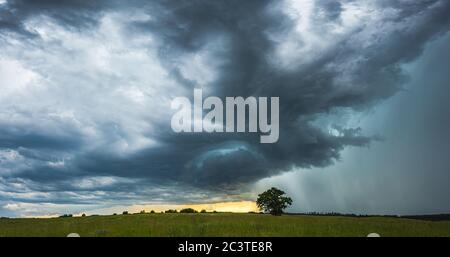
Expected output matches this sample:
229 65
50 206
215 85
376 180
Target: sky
86 88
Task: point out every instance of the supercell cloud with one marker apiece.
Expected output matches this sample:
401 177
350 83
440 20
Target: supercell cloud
85 91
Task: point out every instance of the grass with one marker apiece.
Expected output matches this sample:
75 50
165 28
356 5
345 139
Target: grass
222 224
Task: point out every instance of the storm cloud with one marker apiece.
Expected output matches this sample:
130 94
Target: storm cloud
86 89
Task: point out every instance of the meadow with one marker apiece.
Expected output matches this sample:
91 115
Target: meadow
220 224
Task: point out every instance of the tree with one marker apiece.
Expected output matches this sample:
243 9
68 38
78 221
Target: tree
188 210
273 201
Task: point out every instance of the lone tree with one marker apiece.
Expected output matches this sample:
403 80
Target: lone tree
273 201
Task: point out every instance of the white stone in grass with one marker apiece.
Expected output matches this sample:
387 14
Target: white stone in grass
373 235
73 235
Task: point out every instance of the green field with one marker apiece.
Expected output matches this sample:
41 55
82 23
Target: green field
222 224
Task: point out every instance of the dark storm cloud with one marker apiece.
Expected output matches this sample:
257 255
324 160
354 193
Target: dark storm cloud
304 92
69 12
331 9
21 137
308 91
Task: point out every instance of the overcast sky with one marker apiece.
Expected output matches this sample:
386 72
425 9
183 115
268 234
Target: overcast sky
86 87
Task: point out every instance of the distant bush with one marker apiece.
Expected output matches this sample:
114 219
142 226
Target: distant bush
203 211
142 212
125 213
114 214
214 211
101 233
66 216
188 210
83 215
152 211
171 211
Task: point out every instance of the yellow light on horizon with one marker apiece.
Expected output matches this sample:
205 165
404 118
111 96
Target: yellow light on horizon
232 206
239 206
